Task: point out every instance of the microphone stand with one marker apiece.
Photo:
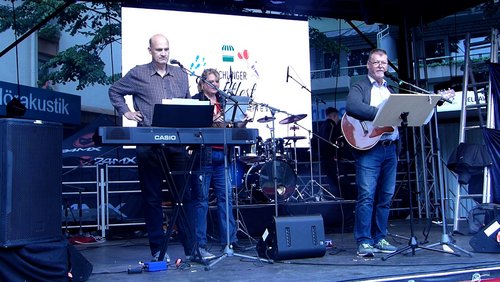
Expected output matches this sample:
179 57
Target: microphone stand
312 181
228 250
445 237
273 150
317 100
302 86
219 91
311 134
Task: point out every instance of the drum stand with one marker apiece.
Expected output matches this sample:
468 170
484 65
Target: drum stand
295 138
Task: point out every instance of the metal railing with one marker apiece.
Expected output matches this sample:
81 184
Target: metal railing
97 180
442 61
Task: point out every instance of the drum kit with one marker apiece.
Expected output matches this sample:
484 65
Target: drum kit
257 183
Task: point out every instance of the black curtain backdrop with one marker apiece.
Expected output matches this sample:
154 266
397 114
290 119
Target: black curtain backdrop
495 91
492 136
492 139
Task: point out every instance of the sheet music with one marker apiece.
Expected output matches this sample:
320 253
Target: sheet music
419 106
182 101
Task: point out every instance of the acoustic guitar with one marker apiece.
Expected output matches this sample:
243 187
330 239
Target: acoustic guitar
362 135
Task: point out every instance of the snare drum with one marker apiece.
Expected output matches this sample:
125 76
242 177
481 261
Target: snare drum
253 153
279 145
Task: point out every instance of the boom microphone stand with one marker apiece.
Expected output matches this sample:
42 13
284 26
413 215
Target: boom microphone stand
228 250
273 111
317 100
313 182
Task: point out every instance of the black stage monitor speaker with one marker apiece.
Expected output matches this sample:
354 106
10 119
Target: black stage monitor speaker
293 237
30 182
488 239
79 267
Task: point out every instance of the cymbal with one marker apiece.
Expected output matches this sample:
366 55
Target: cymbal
292 118
294 138
266 119
293 127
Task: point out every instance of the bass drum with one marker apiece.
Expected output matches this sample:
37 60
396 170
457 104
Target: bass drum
260 178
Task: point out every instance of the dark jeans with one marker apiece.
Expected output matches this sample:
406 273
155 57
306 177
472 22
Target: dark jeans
376 181
151 178
212 174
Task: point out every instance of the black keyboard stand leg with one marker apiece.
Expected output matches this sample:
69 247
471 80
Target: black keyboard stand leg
179 211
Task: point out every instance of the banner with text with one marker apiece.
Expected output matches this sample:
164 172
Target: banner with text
42 104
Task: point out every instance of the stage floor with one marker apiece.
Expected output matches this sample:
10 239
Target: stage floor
112 258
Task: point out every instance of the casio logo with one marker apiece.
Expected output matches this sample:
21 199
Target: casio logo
165 137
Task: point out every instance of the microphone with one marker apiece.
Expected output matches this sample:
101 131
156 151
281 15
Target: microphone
230 75
393 78
175 62
287 73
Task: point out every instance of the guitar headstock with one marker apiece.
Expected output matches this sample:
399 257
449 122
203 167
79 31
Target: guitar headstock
447 94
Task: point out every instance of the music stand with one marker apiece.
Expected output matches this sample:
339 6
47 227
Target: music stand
235 111
420 106
407 110
168 115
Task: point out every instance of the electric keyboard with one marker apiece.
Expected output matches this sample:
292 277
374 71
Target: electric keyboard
172 136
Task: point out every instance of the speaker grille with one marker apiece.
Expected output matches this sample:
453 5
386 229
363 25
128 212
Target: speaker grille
291 237
31 166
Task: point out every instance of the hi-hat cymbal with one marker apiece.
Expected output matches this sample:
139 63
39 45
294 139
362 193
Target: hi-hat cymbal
292 118
293 127
266 119
294 138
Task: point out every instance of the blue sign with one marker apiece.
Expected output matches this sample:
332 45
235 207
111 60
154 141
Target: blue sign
42 104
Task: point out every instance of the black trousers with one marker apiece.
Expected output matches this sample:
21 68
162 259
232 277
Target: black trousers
151 176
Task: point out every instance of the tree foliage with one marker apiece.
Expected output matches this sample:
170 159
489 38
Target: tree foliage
320 41
98 23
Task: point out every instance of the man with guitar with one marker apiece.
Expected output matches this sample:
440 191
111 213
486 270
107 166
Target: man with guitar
376 163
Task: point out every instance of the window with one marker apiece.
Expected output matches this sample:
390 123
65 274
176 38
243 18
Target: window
356 60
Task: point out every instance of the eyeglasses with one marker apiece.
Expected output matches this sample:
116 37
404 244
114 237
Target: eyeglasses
381 63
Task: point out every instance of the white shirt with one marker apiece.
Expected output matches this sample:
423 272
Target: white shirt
380 93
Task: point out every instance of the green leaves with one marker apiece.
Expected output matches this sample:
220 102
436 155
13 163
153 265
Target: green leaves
98 23
320 41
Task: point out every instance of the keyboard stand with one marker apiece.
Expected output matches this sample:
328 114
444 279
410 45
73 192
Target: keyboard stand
178 210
